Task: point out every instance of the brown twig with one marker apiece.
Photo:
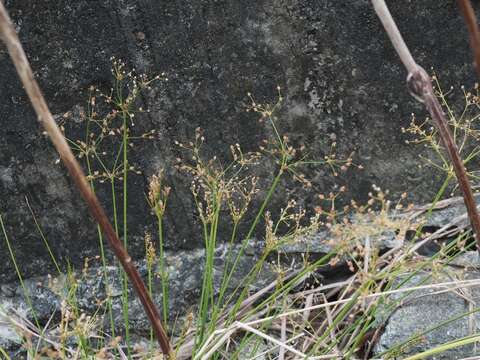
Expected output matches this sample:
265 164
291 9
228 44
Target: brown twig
9 36
420 86
472 26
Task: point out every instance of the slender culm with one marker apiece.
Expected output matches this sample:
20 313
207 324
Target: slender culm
420 85
15 49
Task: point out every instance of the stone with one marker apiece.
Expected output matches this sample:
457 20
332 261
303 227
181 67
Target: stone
9 338
257 349
184 269
427 318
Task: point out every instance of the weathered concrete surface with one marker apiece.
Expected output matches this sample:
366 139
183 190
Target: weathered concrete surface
430 317
339 75
184 269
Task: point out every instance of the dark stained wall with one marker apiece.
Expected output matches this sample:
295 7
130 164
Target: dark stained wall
338 74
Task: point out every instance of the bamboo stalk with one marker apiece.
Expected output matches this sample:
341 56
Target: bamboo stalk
420 86
17 54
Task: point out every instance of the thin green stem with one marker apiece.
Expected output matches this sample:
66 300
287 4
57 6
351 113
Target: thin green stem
19 274
125 228
163 272
102 250
260 213
42 235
